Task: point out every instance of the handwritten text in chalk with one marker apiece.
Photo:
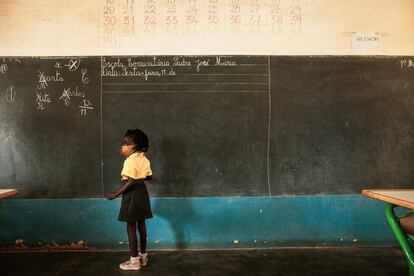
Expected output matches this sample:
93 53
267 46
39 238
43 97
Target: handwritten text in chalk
42 99
152 67
406 63
68 93
10 94
85 106
44 79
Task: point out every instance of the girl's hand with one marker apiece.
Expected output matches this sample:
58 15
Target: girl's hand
111 196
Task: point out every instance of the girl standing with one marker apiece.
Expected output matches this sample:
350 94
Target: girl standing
135 206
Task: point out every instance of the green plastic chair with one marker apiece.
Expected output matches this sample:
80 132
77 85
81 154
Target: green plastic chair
403 238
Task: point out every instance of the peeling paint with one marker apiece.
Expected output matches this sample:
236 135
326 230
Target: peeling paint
53 246
201 222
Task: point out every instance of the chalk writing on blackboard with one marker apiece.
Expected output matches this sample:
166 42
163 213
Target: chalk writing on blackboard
68 93
73 64
183 74
85 79
133 67
10 94
44 79
202 63
181 61
17 60
406 63
220 61
42 99
85 105
3 68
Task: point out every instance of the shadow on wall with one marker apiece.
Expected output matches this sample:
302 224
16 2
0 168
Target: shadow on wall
171 179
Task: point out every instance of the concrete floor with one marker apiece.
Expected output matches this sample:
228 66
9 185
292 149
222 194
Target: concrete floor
292 261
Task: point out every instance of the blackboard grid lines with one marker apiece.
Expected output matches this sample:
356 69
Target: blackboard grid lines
177 83
192 91
220 66
268 126
255 65
201 74
102 160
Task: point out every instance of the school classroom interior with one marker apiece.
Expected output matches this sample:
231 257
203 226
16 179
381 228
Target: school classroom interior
281 135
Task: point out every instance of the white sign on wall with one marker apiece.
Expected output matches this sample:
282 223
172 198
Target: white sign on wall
367 43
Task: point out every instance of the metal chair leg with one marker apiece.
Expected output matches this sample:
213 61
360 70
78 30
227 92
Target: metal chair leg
400 235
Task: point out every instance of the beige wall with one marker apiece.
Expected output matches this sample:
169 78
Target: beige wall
321 27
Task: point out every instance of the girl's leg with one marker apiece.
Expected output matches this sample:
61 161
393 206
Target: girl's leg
142 235
132 238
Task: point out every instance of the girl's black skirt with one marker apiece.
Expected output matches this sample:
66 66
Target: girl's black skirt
135 203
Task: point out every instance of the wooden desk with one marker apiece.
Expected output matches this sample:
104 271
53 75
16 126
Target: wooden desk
394 198
5 193
404 198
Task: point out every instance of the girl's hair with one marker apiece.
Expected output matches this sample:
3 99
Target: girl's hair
139 138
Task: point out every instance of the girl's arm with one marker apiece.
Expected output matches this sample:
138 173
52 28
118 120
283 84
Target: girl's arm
125 187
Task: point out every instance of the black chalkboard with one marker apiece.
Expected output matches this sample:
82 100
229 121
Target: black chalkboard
50 126
218 125
340 124
206 120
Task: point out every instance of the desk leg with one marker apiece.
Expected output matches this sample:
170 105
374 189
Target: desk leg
400 235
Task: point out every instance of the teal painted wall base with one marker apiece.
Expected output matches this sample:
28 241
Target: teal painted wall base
228 222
